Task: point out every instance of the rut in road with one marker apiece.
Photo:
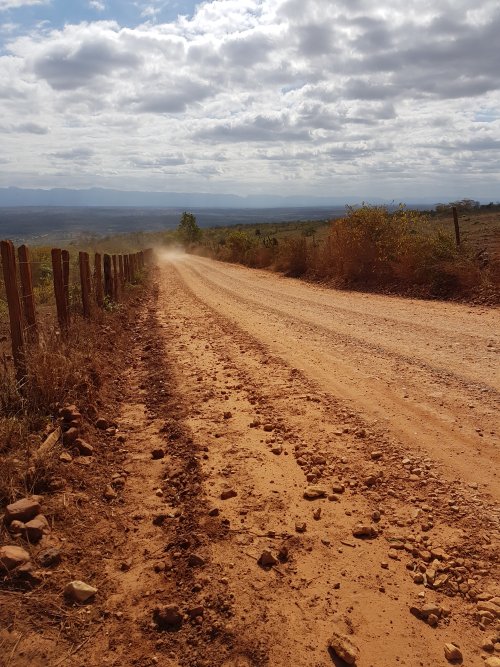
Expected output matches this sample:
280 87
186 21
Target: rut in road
232 413
427 371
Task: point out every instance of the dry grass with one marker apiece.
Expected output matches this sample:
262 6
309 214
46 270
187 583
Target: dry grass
374 248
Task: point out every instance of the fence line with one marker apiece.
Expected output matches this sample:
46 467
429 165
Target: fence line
105 285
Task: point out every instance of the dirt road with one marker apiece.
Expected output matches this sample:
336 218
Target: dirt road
428 372
389 406
350 438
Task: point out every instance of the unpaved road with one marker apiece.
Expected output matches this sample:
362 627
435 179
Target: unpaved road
265 386
428 372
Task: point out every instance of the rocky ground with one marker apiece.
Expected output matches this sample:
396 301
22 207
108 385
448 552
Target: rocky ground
238 502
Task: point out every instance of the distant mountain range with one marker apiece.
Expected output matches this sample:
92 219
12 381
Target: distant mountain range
14 197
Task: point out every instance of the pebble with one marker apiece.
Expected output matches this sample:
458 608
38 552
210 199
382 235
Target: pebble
300 527
343 647
79 591
195 560
362 530
102 423
22 510
35 529
376 455
168 617
317 514
228 493
492 661
314 492
83 447
157 454
12 557
110 493
49 557
452 653
267 559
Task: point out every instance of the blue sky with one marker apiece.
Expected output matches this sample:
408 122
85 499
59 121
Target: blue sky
311 97
57 13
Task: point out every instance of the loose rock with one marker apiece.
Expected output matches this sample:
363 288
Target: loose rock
168 617
157 454
228 493
22 510
79 591
49 557
12 557
362 530
267 559
314 492
452 653
342 646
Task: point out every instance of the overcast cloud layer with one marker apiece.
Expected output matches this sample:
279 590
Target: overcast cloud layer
329 97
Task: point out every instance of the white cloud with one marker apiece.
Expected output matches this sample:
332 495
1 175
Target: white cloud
345 97
15 4
98 5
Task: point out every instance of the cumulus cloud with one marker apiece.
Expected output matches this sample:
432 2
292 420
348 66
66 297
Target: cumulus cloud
281 91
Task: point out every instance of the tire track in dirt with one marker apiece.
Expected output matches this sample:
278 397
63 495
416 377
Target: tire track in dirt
229 380
426 405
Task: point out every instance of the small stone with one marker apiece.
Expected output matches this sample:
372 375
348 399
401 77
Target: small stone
268 428
492 661
16 527
84 448
317 514
159 493
267 559
432 620
70 436
228 493
110 493
228 415
343 647
36 528
364 531
214 511
371 480
22 510
301 527
195 560
12 557
49 557
488 646
102 423
314 492
278 449
168 617
384 565
376 516
337 487
79 591
452 653
376 455
157 454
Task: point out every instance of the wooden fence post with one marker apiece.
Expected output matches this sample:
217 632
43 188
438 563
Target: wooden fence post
27 292
457 227
65 273
14 306
116 286
99 291
120 270
126 267
59 289
83 260
108 278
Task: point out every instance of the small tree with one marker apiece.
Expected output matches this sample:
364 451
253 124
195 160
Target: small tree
188 229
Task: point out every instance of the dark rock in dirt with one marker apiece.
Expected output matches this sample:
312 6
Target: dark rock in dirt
267 559
195 560
157 454
228 493
168 617
35 529
214 511
49 557
300 527
83 447
102 423
70 437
